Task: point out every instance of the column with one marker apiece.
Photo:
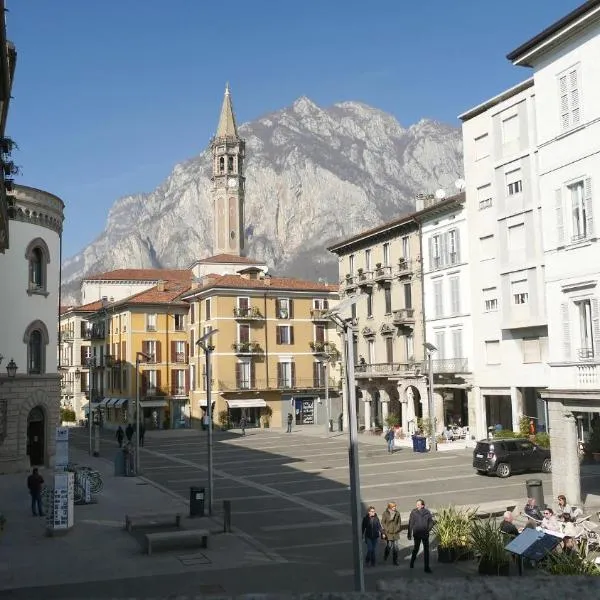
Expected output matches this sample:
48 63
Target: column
367 407
404 407
385 404
477 424
438 411
516 404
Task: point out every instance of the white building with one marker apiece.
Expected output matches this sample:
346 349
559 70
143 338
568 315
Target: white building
565 59
30 272
447 302
507 268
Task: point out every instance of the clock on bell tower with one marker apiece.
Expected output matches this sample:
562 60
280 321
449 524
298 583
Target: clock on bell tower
228 151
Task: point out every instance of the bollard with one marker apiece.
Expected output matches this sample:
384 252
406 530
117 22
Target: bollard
226 516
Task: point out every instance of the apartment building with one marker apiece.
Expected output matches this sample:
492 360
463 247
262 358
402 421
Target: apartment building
384 265
508 302
447 305
147 329
566 72
275 352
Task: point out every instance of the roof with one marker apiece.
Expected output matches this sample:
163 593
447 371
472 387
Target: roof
168 295
291 284
89 307
227 258
227 127
142 275
405 219
519 53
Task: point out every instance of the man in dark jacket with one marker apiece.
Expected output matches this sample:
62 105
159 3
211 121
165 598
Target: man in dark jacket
420 523
35 483
371 531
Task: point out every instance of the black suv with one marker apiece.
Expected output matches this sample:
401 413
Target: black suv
506 456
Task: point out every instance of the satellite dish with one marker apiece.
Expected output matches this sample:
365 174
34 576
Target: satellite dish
460 184
440 194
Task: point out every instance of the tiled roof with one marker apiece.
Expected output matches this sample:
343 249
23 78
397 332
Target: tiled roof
171 292
229 258
142 275
90 307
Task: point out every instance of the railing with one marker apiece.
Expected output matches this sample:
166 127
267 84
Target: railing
381 369
246 348
349 282
66 336
404 267
179 357
365 278
98 334
155 392
66 388
450 365
86 334
585 353
570 376
321 347
179 391
318 314
403 316
314 383
109 360
247 313
383 273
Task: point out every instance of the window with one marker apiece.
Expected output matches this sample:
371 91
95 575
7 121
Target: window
152 349
286 374
178 349
514 182
455 295
192 312
387 290
516 240
38 256
244 380
367 260
283 308
151 378
484 196
369 295
486 247
586 338
386 254
389 350
320 333
457 345
438 304
207 308
581 210
435 249
409 347
151 322
179 322
453 250
36 339
482 146
320 303
405 247
520 291
244 333
568 90
178 383
490 299
371 352
530 347
222 164
285 334
492 352
407 295
440 343
351 263
510 129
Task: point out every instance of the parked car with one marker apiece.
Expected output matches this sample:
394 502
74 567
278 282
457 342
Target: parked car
506 456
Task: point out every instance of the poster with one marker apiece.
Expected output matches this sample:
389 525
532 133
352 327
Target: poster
61 457
61 515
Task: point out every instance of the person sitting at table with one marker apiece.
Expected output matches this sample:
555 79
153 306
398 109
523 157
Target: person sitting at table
566 509
550 522
568 546
508 526
532 510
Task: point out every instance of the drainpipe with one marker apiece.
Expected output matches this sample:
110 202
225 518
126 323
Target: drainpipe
168 377
423 323
266 340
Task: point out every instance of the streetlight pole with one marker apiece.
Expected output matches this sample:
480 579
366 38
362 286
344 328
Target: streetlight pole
433 442
145 356
327 405
345 325
204 343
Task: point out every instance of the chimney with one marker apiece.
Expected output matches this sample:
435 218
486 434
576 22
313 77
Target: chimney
160 286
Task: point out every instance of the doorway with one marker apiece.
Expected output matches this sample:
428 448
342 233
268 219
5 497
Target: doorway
36 426
305 411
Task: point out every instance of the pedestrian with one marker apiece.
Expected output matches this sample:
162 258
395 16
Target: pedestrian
129 432
371 532
120 435
391 524
243 424
35 484
389 438
289 422
142 434
420 524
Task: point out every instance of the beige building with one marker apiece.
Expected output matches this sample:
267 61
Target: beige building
384 264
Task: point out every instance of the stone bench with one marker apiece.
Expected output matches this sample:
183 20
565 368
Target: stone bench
177 539
152 520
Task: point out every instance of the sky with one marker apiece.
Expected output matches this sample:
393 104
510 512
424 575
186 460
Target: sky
109 95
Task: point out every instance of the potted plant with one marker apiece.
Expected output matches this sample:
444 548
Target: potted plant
453 532
224 419
266 414
488 543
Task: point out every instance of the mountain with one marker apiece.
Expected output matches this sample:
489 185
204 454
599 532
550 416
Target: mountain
313 175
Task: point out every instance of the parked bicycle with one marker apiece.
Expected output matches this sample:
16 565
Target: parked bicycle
94 478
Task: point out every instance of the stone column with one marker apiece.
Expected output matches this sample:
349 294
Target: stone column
565 462
384 398
477 417
404 406
438 411
367 400
516 404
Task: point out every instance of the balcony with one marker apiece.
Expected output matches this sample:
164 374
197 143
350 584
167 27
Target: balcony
382 274
321 347
66 389
282 383
247 313
66 337
449 365
404 317
585 353
86 334
404 268
179 390
365 278
373 370
179 357
319 314
98 333
246 348
242 383
575 377
154 392
349 283
109 360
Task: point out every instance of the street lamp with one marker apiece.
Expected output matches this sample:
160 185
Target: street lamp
147 357
204 343
11 368
431 350
345 325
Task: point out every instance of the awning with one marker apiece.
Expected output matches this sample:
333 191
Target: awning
250 403
202 402
153 403
102 403
119 402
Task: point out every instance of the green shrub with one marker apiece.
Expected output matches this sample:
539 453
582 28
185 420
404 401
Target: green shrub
453 526
392 421
67 415
504 434
542 440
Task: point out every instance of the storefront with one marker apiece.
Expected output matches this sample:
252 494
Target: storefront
305 411
252 409
180 413
154 413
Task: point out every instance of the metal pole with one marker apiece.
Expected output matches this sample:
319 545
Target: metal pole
137 416
208 351
359 578
327 406
90 415
433 441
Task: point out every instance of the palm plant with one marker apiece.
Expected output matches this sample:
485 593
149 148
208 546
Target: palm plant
453 532
488 542
577 563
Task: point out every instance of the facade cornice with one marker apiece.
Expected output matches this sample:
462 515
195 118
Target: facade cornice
31 205
254 292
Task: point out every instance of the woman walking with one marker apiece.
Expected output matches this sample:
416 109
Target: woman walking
371 531
391 523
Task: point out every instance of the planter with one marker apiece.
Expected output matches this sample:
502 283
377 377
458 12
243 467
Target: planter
487 567
454 554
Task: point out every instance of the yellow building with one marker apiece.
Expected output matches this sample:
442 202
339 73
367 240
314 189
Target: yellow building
270 351
149 326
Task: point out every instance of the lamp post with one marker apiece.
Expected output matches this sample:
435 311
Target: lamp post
431 349
11 368
138 356
344 324
204 343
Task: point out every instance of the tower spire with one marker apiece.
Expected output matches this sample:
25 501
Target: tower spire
227 127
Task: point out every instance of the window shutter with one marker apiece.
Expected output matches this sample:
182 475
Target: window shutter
431 264
158 357
564 309
291 334
596 326
325 304
144 378
253 374
444 259
316 367
82 356
279 374
123 351
437 291
173 351
455 295
277 307
574 98
278 334
589 216
291 305
293 369
192 313
174 381
187 381
564 101
158 374
187 352
457 343
238 375
457 244
560 224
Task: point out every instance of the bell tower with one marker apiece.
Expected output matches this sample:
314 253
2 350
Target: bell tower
228 151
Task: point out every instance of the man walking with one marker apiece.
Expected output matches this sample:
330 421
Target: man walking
420 523
289 422
129 432
142 434
120 435
243 424
35 483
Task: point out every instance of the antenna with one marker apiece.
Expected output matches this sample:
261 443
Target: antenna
440 194
460 184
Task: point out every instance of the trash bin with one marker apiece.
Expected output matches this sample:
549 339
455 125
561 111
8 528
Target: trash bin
331 425
120 464
419 443
535 489
196 502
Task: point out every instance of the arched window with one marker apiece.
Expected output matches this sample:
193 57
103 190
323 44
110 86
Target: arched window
36 338
222 164
38 257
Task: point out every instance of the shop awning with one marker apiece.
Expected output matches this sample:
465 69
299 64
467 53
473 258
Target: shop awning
103 403
250 403
153 403
119 402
